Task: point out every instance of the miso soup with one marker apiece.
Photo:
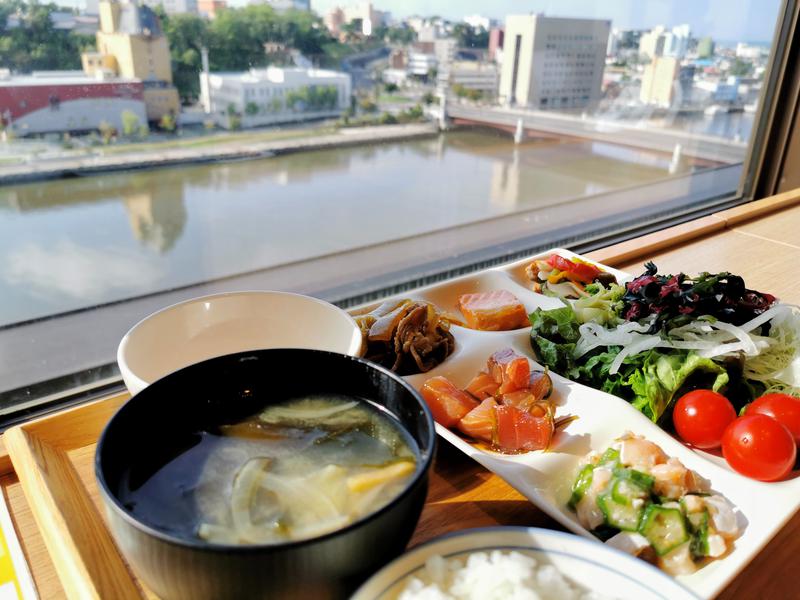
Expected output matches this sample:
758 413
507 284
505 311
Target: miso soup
296 470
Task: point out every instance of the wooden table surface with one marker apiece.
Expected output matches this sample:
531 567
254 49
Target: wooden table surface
757 241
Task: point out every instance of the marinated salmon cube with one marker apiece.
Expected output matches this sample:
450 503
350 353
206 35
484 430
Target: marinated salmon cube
482 386
511 371
519 431
447 403
521 399
498 310
480 423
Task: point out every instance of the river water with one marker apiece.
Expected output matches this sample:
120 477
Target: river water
75 243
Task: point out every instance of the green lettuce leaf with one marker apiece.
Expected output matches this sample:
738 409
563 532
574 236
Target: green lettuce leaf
553 337
661 375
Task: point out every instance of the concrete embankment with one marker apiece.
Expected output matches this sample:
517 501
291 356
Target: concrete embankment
224 151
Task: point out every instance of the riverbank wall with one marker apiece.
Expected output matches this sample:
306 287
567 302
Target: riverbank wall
226 151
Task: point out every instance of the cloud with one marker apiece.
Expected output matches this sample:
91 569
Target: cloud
79 272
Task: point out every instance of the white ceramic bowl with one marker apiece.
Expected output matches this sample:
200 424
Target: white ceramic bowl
589 564
202 328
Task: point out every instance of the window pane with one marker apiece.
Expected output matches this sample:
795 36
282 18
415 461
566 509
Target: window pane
165 150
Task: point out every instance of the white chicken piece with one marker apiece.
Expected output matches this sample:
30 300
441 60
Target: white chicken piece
722 516
629 542
679 561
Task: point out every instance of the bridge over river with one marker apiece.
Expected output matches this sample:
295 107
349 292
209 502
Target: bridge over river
711 149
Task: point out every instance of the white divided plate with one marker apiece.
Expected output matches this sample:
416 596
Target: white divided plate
545 478
592 566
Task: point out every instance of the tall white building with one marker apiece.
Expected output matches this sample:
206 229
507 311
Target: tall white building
660 42
269 96
553 63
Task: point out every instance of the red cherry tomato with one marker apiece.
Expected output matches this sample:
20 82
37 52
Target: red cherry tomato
701 416
759 447
782 407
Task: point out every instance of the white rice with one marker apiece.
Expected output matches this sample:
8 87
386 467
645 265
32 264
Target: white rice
495 575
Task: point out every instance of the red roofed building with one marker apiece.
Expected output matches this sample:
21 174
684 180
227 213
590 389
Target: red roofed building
55 102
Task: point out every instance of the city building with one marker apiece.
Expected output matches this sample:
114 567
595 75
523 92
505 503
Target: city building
445 51
273 95
398 59
677 41
748 51
61 20
333 20
365 17
553 63
173 7
474 75
431 31
211 8
398 77
131 45
496 44
420 64
46 102
624 40
660 42
705 48
416 22
665 83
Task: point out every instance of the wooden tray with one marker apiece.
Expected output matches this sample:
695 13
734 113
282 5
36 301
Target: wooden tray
54 457
54 460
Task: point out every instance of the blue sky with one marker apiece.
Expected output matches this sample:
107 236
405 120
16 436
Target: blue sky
732 20
728 20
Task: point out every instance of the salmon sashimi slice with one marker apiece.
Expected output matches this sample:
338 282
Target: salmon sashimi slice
482 386
511 371
480 423
498 310
448 404
519 431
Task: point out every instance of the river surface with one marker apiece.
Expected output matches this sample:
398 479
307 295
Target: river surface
74 243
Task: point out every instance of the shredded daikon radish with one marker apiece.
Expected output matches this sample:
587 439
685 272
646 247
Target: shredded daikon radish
594 335
710 338
643 344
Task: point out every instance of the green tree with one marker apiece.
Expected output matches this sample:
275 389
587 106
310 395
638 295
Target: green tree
130 123
36 44
168 122
401 35
367 105
740 68
251 109
187 34
471 37
390 88
428 98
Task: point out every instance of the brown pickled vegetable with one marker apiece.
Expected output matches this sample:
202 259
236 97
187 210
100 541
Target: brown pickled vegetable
406 336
